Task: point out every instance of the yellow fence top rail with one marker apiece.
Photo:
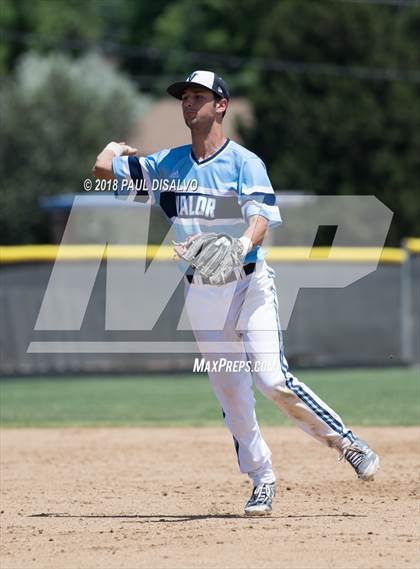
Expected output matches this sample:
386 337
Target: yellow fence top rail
412 244
336 254
48 253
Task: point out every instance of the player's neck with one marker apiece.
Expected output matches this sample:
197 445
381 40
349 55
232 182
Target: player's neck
205 144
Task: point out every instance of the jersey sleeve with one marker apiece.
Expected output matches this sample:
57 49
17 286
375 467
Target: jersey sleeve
256 194
135 176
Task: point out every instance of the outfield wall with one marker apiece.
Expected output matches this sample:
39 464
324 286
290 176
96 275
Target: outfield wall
372 322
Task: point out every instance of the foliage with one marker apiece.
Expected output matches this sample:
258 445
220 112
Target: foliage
331 130
57 114
341 135
326 120
40 25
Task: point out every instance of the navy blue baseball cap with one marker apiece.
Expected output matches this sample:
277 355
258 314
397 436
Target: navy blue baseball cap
206 79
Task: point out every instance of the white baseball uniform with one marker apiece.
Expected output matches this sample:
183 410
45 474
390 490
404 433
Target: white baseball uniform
241 317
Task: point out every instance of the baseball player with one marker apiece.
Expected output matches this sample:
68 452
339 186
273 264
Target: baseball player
230 295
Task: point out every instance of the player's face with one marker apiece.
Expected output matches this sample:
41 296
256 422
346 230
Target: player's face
198 107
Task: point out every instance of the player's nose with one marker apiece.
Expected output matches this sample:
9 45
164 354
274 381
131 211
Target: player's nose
187 101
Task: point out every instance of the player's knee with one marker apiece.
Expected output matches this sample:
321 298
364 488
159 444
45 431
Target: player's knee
269 391
275 391
240 421
226 391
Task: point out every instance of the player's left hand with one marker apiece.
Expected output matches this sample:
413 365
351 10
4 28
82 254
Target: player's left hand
213 255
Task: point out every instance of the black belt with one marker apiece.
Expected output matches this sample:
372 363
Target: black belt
247 269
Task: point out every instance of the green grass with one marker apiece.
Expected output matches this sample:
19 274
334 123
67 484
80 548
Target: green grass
360 396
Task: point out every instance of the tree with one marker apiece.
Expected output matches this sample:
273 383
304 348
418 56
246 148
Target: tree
342 135
77 26
56 114
324 122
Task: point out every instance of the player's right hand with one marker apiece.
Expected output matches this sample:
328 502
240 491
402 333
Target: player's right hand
128 150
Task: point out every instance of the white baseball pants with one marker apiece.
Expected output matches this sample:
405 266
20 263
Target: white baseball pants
239 322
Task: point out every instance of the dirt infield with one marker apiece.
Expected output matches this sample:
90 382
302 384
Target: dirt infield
173 498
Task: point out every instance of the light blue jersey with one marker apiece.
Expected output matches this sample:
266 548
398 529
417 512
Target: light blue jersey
217 195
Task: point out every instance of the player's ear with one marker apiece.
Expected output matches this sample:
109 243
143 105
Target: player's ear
221 106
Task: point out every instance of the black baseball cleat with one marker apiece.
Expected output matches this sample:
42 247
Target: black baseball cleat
261 501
